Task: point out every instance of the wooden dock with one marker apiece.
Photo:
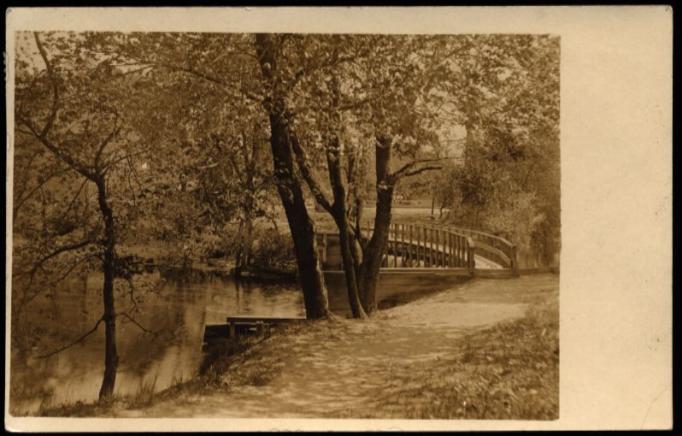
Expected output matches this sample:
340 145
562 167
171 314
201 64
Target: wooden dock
245 325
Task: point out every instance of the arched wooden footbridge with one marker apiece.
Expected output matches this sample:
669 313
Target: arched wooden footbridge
433 249
419 258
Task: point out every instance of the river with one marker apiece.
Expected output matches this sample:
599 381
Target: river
175 312
174 307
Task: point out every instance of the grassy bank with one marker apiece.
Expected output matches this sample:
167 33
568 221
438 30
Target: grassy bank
508 371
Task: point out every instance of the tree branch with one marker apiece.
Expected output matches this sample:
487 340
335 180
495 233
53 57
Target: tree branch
23 198
405 168
80 339
420 170
209 78
114 132
107 166
69 160
70 247
72 267
140 326
302 161
73 200
55 89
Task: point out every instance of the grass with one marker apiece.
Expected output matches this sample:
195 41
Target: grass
507 371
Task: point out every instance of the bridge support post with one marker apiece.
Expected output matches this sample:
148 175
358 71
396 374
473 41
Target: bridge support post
514 261
471 256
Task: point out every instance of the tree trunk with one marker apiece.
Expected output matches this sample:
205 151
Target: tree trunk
349 268
289 187
346 239
248 241
248 204
242 258
110 353
238 256
376 248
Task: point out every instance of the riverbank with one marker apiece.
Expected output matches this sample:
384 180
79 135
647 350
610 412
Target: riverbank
485 349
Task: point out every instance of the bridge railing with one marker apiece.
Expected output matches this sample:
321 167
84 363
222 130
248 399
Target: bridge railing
493 247
412 246
431 246
426 246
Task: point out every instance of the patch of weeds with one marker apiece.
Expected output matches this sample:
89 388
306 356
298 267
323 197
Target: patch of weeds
144 395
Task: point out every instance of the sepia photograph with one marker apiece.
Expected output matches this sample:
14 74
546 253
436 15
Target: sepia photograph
285 224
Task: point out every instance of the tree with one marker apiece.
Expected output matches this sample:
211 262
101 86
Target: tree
376 85
282 137
505 92
73 107
240 67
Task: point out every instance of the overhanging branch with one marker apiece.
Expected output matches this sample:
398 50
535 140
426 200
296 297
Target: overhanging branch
77 341
421 170
69 247
140 326
405 169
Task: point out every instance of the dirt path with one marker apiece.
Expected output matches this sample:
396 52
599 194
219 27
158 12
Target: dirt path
331 369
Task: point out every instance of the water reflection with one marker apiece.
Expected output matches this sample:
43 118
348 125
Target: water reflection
177 313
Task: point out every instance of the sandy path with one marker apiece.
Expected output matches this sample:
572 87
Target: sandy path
331 369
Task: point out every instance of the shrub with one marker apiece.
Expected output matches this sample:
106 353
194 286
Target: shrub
272 249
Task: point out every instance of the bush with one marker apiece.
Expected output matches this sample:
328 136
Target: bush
272 249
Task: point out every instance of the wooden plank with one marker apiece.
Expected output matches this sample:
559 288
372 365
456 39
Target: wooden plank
422 243
434 240
444 237
471 256
267 319
431 257
419 244
449 249
442 248
460 251
424 248
403 248
457 253
438 247
395 245
409 247
453 258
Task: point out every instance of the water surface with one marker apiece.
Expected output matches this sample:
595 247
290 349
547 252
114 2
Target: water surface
176 313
